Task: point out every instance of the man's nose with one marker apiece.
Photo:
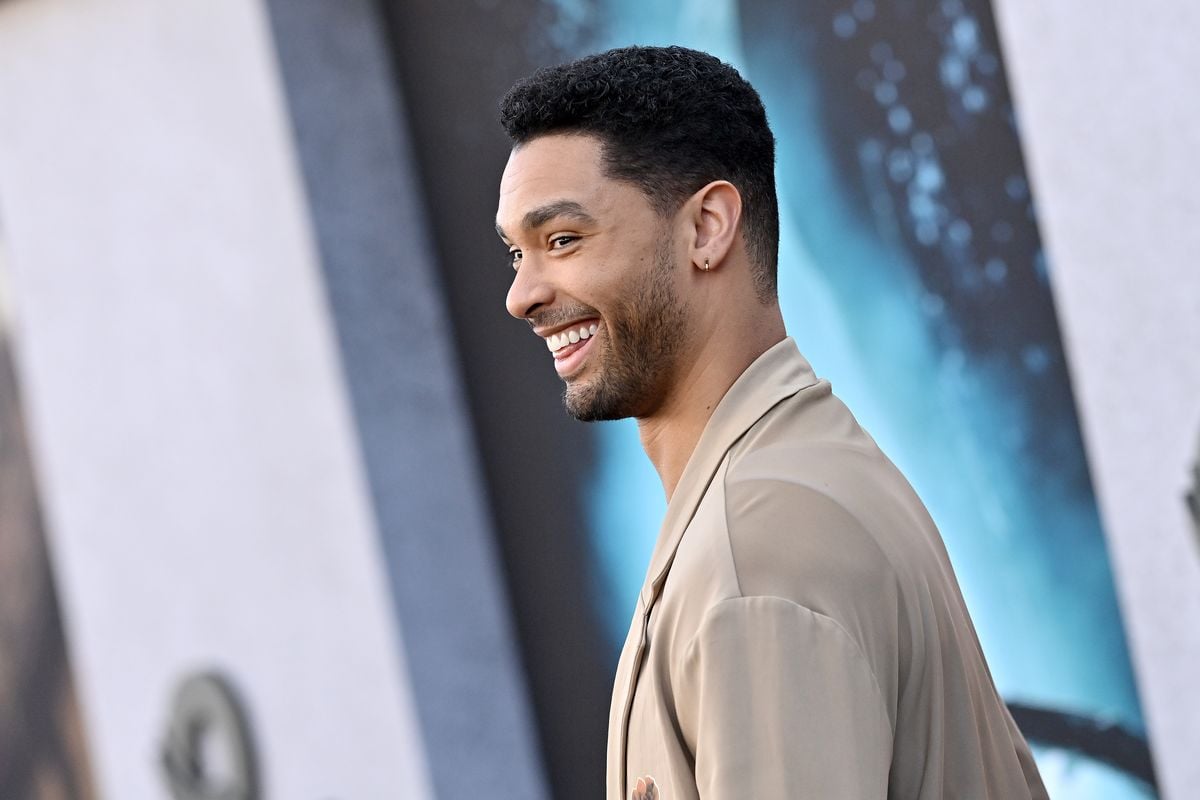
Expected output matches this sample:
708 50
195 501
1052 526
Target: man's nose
529 291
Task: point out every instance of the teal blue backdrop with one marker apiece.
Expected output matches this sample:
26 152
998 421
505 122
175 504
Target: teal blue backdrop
913 277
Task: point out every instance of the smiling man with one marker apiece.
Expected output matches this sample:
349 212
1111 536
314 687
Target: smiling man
800 633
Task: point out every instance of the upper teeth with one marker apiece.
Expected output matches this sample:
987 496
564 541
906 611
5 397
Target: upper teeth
561 340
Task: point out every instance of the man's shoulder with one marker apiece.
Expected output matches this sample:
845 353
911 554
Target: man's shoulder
807 473
818 514
795 537
805 507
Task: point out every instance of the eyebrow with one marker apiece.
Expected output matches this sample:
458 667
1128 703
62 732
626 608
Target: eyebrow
539 216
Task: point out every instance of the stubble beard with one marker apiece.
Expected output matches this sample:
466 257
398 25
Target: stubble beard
644 336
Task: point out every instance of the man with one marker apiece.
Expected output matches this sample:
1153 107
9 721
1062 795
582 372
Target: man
800 633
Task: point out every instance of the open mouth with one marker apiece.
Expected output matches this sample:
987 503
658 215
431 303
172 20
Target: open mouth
571 346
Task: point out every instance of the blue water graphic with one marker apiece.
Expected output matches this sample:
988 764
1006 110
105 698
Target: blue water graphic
928 309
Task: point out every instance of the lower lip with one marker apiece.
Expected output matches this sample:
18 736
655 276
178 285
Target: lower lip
570 364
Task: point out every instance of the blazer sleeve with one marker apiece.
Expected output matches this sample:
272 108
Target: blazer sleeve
779 703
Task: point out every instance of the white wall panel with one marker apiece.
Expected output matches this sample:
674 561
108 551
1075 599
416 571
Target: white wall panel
196 457
1106 98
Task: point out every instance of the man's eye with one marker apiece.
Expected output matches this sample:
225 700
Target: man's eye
563 241
514 258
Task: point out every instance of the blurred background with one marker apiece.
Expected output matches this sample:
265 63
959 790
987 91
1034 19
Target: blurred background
289 507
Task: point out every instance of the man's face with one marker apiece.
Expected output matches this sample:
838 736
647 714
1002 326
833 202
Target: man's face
595 276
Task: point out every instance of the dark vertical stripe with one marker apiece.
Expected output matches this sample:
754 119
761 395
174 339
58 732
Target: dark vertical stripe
402 375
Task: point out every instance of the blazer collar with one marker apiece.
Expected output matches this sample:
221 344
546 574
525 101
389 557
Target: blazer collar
774 376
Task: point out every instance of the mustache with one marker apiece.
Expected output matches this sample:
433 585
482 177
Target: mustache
553 317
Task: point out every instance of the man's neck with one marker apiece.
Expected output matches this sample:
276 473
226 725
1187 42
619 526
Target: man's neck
671 434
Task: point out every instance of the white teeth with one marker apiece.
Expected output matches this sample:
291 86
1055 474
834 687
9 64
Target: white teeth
560 340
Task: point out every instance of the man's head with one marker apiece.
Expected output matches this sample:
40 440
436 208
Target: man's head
633 174
671 121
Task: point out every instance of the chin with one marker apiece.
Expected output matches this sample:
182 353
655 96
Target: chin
587 409
599 400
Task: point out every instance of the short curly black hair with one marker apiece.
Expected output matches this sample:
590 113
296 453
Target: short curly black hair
671 120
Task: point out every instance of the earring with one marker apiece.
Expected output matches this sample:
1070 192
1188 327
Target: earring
705 265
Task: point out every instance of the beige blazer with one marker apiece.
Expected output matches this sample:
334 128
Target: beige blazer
800 633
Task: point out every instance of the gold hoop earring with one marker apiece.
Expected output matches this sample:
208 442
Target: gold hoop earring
706 265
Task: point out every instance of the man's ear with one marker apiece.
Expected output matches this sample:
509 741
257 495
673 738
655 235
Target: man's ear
715 214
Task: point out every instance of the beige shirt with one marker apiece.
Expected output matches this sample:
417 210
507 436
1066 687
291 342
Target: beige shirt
800 633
